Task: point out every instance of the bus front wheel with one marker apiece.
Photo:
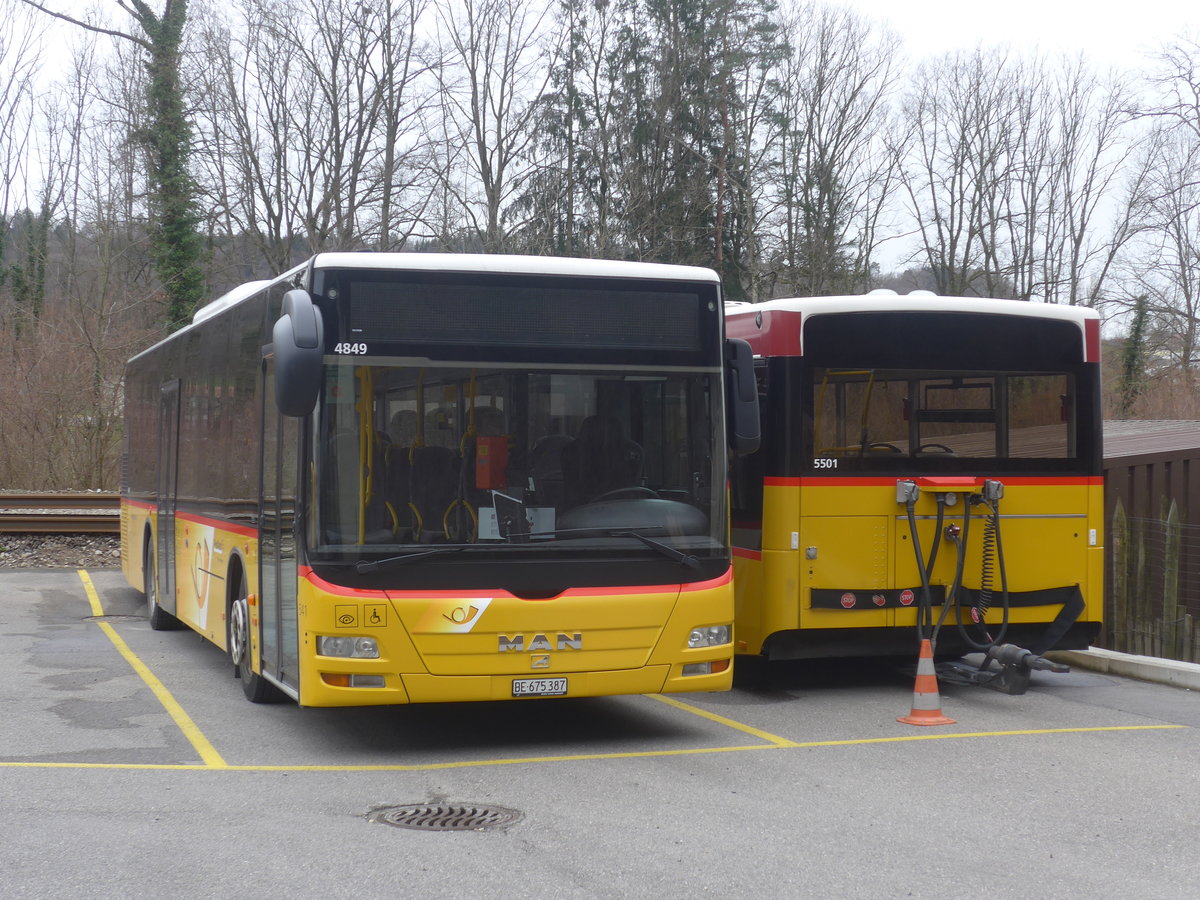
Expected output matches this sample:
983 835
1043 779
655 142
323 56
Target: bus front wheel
256 688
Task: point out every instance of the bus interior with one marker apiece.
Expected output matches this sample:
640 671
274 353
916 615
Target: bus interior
887 414
420 453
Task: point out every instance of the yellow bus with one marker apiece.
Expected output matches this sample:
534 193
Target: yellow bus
930 467
399 478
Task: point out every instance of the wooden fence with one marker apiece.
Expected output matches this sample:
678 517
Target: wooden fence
1152 516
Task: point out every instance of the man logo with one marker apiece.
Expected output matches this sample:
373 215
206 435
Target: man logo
517 643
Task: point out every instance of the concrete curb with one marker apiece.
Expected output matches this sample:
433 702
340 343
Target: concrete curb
1144 668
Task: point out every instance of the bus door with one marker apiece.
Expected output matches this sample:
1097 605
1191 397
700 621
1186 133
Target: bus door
168 471
277 542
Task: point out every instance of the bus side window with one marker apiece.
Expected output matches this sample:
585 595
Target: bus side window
748 470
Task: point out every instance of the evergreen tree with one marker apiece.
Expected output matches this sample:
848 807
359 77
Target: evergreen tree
176 246
1133 359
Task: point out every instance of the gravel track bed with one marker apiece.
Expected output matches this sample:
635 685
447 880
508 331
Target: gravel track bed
60 551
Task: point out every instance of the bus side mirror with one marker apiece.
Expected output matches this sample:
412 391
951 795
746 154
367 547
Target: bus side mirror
741 392
299 337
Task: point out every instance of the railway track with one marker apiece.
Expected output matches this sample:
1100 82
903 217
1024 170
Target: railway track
60 513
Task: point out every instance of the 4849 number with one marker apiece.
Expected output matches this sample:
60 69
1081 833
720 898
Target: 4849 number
349 349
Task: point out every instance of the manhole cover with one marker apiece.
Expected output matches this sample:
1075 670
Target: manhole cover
446 817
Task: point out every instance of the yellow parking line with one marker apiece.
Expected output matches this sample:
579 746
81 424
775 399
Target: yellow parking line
782 742
213 760
927 736
721 720
208 753
582 757
397 767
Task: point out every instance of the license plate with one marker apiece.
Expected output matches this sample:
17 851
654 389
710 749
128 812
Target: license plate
539 687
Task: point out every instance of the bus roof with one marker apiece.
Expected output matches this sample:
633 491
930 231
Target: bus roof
774 326
917 301
497 263
451 262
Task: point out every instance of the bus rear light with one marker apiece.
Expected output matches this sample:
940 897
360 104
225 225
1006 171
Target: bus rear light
339 679
709 636
706 668
347 647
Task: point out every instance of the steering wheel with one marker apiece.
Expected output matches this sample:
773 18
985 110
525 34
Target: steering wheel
880 445
634 490
940 448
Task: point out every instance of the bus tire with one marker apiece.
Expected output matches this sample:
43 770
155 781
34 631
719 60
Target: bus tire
256 688
159 618
751 672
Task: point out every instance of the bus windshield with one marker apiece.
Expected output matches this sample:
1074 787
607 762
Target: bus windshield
412 455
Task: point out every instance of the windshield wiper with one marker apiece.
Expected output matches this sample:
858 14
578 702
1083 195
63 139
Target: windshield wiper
684 559
363 566
633 531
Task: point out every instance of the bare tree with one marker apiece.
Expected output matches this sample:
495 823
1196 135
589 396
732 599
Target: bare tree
962 113
1175 81
19 52
493 70
167 141
61 405
835 175
1065 216
401 67
1162 263
310 114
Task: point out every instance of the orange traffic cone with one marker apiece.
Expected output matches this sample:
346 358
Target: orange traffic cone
927 704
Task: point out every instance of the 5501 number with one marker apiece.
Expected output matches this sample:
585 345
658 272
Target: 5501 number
825 463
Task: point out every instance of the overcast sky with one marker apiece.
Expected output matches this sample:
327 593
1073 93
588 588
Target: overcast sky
1109 33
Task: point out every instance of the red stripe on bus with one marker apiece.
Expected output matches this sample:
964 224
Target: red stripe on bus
1091 340
329 587
888 481
778 335
219 524
719 581
743 553
140 504
307 573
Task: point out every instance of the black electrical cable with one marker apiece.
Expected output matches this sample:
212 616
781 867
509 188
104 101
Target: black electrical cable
926 601
925 607
994 521
960 542
937 534
962 626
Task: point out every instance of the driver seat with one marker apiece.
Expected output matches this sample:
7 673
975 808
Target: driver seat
600 459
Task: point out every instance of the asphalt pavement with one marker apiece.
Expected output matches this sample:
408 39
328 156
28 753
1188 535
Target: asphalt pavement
132 766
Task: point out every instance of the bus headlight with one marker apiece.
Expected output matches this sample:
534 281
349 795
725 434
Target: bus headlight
709 636
347 647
